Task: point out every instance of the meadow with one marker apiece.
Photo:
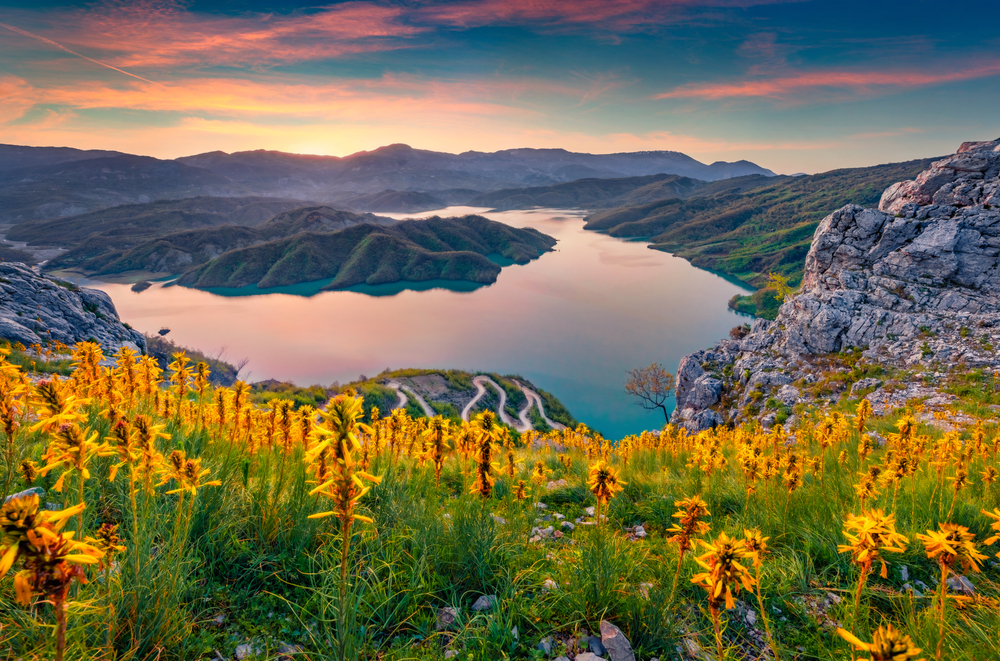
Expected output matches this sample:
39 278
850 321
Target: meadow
155 516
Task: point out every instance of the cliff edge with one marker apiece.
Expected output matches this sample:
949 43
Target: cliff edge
913 284
37 309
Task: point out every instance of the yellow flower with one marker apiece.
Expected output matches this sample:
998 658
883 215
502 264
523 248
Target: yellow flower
888 644
603 481
187 473
951 543
869 535
995 527
724 574
21 521
71 449
51 563
756 544
55 407
345 485
691 511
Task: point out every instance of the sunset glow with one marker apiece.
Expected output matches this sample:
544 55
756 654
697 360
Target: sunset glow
794 86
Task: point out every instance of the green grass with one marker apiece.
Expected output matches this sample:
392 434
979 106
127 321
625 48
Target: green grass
251 554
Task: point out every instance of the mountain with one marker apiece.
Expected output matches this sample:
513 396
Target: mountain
913 285
394 201
15 156
400 167
160 249
612 193
415 250
139 221
78 186
53 182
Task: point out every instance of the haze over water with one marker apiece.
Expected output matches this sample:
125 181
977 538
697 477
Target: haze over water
572 322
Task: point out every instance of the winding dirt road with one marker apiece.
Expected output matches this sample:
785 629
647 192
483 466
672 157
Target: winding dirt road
521 425
403 399
535 399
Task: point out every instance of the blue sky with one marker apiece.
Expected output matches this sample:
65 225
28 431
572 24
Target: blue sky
794 86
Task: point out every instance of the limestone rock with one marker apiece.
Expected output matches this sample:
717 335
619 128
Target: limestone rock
446 617
36 309
915 282
615 643
485 603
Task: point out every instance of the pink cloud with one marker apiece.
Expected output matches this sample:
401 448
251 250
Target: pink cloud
261 99
164 33
856 81
604 15
158 34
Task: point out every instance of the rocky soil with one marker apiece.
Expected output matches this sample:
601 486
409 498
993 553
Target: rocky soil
912 287
37 309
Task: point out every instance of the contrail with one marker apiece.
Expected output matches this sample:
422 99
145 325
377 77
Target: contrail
84 57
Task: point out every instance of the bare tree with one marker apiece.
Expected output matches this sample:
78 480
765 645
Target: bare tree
652 386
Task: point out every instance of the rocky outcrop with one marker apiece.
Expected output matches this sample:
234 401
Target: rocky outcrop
913 283
37 309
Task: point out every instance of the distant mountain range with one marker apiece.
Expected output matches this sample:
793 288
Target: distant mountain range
53 182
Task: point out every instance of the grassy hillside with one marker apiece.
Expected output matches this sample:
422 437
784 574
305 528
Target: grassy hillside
219 541
417 250
140 222
147 237
749 233
597 193
587 193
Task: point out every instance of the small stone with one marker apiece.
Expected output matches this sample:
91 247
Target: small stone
450 653
485 603
904 573
615 643
546 532
246 651
285 649
644 589
545 645
692 647
566 525
588 656
557 534
590 511
639 532
219 620
548 585
535 539
751 617
961 585
499 519
558 516
835 598
446 617
562 658
595 645
541 506
514 632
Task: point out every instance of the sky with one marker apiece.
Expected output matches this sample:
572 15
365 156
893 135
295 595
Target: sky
795 86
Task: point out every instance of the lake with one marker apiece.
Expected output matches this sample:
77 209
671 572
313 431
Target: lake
572 321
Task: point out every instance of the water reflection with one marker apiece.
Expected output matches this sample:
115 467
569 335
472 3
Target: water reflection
572 321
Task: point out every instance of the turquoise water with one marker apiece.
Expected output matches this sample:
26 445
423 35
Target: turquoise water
572 321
